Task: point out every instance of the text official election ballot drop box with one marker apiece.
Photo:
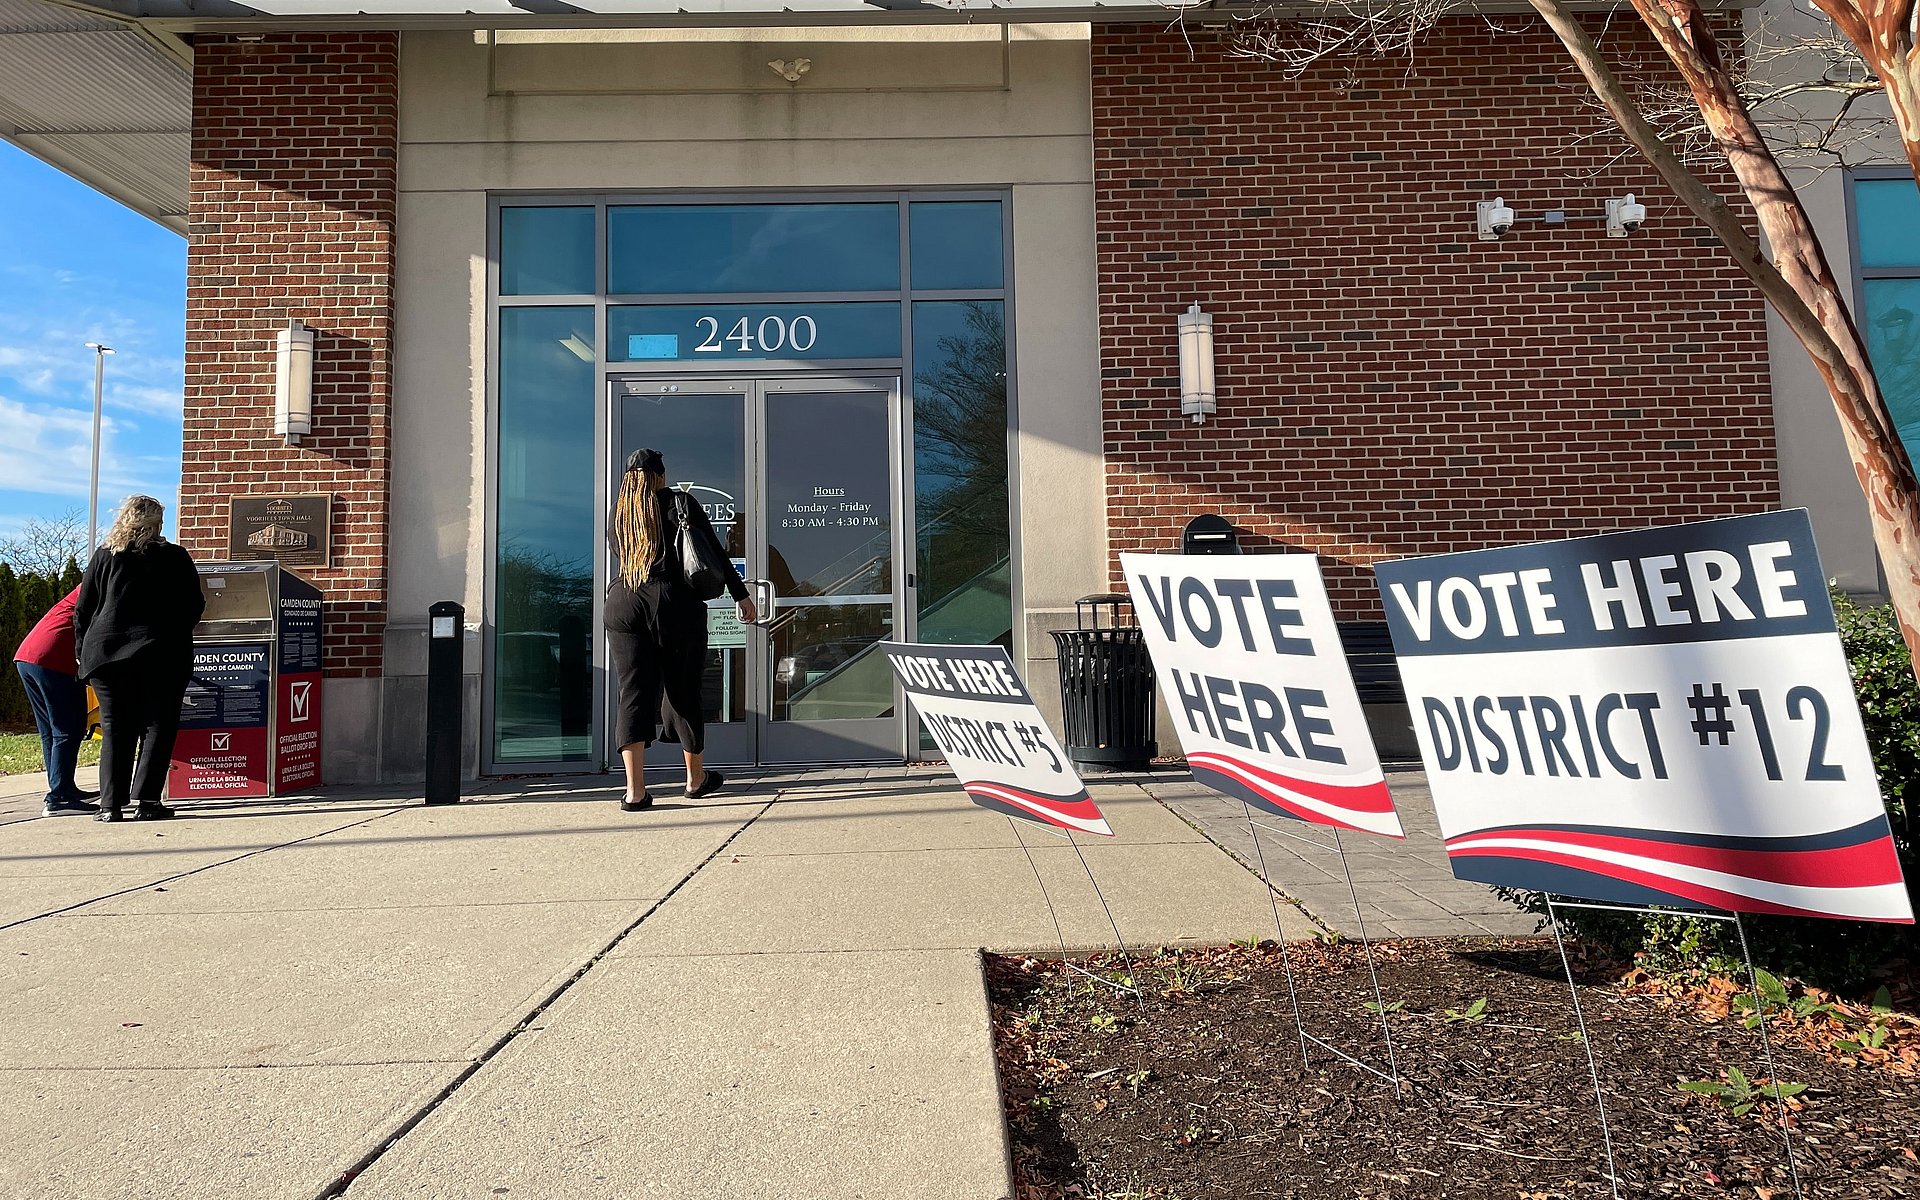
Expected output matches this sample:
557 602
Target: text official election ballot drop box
250 721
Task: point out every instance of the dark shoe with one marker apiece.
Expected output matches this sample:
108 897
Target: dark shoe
636 803
76 794
108 814
68 808
153 812
709 784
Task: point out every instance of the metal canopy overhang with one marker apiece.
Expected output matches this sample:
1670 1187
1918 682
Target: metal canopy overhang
103 89
233 16
107 102
259 16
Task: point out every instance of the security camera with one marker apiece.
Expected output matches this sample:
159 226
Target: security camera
1625 215
1495 219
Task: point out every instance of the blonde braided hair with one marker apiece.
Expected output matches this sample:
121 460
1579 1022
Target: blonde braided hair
635 527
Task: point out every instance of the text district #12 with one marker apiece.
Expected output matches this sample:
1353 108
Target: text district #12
1612 657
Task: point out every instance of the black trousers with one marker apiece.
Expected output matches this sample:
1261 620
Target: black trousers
139 716
657 634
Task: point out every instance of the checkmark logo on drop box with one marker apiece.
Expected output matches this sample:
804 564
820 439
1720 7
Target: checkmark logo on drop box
297 697
222 741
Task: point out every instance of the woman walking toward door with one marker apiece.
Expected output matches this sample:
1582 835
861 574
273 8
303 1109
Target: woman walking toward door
133 624
657 626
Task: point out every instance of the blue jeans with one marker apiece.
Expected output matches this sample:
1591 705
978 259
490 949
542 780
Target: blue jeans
60 710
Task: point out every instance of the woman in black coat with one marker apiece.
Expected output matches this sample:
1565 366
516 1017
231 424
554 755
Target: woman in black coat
657 626
133 628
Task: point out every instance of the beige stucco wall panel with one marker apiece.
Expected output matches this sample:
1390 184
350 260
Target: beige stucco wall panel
446 94
922 162
439 408
1062 485
1815 470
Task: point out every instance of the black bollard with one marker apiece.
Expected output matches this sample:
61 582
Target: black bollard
445 626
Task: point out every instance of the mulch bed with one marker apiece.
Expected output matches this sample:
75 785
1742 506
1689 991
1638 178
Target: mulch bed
1197 1089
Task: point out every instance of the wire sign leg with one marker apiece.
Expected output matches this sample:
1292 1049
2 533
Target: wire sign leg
1766 1047
1126 956
1366 946
1586 1042
1279 933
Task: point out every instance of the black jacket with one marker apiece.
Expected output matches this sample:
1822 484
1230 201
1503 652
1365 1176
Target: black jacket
134 599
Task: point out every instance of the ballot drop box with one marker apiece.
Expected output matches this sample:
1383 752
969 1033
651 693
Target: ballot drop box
250 720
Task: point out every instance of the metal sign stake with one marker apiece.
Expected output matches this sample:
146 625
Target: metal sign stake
1126 956
1279 933
1586 1043
1366 946
1766 1047
1392 1074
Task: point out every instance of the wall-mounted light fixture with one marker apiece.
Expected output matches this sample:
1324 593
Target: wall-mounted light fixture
293 383
1623 216
1196 364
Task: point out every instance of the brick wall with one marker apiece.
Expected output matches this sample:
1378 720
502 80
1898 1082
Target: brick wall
292 197
1388 384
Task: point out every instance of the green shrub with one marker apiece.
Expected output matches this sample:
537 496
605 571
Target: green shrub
25 597
1842 956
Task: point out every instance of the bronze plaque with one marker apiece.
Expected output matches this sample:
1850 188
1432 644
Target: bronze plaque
295 530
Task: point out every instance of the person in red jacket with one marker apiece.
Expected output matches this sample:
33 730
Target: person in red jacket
50 672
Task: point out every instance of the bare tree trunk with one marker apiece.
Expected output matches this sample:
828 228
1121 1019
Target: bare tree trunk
1884 32
1801 287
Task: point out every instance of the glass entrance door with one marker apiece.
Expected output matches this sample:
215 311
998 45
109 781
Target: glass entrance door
801 479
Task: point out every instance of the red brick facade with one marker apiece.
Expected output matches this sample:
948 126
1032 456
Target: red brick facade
1388 384
293 193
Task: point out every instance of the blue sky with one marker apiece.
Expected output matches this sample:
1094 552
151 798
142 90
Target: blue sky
76 267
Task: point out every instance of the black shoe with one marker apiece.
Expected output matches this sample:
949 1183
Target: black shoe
709 784
636 803
68 808
78 794
153 812
108 814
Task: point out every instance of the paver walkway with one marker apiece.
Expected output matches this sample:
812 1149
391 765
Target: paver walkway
1405 886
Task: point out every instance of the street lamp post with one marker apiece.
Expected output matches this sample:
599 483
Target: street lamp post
100 352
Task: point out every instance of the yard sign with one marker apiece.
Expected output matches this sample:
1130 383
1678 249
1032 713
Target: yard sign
995 740
1657 717
1250 663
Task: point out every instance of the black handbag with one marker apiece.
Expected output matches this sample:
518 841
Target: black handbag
706 569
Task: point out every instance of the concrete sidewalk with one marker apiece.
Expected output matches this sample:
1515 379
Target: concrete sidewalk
775 992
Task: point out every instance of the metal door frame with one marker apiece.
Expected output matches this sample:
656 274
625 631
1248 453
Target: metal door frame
760 727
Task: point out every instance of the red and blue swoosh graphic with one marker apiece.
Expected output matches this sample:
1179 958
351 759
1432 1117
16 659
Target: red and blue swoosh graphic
1853 873
1072 813
1364 806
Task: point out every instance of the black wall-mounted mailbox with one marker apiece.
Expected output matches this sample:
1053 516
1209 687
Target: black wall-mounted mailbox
1209 533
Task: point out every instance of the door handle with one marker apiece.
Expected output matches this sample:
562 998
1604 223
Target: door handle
760 588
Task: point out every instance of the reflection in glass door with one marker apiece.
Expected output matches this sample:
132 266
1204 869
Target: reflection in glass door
829 535
800 478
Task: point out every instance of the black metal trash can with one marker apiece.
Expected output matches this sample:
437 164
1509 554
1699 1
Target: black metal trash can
1106 688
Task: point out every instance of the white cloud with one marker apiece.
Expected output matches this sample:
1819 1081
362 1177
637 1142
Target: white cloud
48 451
44 330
